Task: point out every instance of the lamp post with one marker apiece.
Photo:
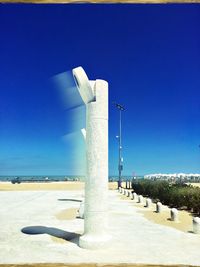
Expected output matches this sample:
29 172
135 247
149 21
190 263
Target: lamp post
120 160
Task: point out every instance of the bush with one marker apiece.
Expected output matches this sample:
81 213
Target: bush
175 195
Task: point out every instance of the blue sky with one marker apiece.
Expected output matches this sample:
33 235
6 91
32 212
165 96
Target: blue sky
150 56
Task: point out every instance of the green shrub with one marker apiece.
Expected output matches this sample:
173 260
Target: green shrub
175 195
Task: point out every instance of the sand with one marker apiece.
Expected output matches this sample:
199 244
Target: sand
8 186
67 214
194 184
184 223
85 265
68 185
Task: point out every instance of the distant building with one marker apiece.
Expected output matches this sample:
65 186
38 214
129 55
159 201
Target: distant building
193 177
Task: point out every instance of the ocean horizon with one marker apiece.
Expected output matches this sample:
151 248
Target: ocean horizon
56 178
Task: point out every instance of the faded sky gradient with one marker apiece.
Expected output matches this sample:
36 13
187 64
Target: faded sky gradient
149 54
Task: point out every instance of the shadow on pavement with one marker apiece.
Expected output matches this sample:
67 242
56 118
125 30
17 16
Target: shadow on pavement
39 230
69 199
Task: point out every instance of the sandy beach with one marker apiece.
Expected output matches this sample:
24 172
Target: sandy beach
194 184
184 223
68 185
8 186
86 265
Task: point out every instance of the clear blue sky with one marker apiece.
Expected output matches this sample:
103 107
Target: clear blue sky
149 54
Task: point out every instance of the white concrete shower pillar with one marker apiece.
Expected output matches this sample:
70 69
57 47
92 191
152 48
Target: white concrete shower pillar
96 185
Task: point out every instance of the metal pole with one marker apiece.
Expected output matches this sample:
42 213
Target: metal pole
121 108
120 147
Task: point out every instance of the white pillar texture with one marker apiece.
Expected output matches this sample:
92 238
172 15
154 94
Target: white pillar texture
96 185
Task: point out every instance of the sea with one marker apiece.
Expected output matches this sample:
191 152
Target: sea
57 178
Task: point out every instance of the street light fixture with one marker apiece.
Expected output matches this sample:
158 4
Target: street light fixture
119 137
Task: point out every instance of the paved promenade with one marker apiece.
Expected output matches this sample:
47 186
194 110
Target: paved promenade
34 226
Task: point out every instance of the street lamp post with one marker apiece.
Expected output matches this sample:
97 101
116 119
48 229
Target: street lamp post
120 166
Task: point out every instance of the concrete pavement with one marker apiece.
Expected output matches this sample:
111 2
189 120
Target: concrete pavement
29 225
